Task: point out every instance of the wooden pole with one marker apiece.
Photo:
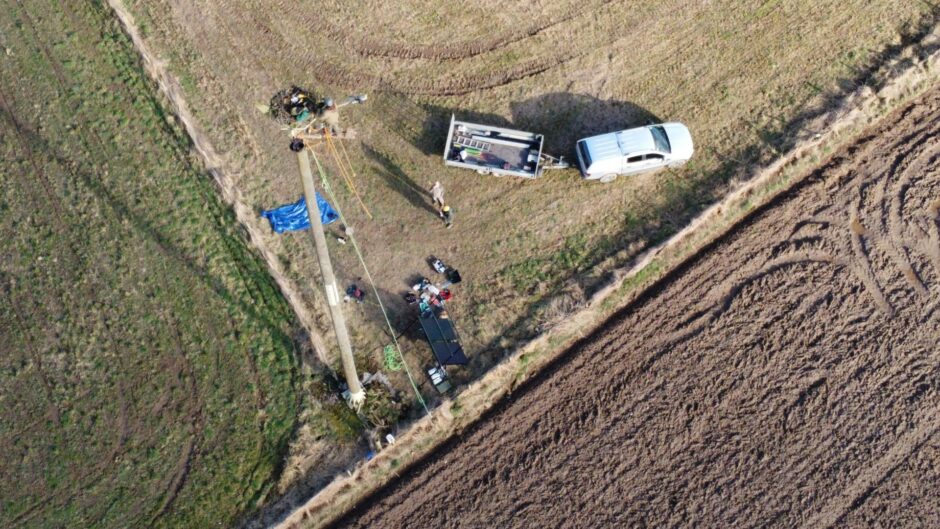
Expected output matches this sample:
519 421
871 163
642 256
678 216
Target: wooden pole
357 395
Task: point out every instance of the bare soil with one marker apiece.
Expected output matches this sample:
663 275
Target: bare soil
787 376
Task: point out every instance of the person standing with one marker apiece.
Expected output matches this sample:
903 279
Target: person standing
437 194
447 213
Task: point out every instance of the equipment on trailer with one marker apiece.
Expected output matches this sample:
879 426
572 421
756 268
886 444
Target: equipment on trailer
496 150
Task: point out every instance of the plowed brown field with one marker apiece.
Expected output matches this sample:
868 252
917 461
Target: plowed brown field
787 376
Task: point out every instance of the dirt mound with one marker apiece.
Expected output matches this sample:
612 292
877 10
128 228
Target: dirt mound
786 377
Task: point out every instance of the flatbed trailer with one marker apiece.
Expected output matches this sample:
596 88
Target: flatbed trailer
442 336
496 150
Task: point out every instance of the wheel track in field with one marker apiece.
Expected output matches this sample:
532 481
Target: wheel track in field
96 473
96 283
370 47
329 70
333 73
879 470
196 415
123 429
91 476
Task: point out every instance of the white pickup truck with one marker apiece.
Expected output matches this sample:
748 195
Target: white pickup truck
632 151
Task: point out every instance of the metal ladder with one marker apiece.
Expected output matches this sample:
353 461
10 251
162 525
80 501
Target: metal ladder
467 141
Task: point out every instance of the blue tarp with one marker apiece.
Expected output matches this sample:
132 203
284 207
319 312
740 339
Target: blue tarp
291 217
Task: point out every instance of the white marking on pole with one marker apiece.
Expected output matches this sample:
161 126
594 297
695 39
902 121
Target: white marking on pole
332 296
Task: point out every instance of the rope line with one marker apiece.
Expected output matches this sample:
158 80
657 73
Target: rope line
342 147
362 261
345 169
339 162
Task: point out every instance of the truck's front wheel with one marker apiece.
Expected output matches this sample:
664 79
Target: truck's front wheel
608 178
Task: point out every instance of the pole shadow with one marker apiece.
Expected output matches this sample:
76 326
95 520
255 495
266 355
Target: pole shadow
399 181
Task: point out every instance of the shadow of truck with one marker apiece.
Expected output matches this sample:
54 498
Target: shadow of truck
563 118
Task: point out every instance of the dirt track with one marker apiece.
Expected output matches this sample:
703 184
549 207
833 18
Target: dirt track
788 376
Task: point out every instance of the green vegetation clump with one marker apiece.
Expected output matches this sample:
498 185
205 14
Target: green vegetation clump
334 418
382 410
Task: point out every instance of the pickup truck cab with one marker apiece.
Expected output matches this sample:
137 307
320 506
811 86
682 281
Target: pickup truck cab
633 151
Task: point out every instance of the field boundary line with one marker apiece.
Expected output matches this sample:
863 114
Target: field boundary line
909 74
171 89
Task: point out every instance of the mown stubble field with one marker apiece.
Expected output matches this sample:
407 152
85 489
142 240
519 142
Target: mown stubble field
743 75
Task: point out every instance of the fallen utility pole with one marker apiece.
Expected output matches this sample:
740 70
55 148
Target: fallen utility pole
356 394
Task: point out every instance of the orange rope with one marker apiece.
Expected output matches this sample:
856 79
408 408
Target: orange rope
345 170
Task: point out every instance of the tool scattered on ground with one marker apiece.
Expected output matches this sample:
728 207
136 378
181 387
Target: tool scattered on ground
354 292
450 273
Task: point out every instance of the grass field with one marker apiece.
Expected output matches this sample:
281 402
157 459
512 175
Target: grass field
744 76
147 372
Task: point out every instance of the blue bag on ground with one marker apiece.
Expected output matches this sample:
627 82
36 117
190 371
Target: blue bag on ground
291 217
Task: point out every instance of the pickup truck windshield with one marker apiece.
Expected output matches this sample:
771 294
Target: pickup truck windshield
585 157
660 139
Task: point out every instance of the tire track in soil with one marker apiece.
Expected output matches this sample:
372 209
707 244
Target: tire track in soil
331 73
896 242
369 47
877 473
780 396
96 474
62 230
96 284
863 266
932 247
197 421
